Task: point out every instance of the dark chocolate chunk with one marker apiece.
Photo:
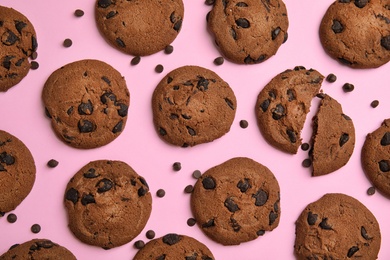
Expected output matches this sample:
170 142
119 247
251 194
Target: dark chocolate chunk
364 234
7 158
275 33
385 139
111 14
9 38
385 42
34 65
104 3
118 127
90 174
243 23
244 185
19 25
191 131
261 232
353 249
142 191
236 227
86 126
208 224
108 96
343 139
72 195
272 217
229 103
171 239
361 3
161 257
209 2
87 199
120 42
177 25
337 27
233 33
384 166
162 131
208 183
123 109
203 84
278 112
85 108
311 218
345 61
324 224
249 59
291 95
52 163
36 228
261 197
104 185
231 205
45 244
291 135
264 106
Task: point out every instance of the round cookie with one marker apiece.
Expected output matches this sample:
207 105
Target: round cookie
236 201
139 27
333 139
17 171
376 157
357 33
337 226
174 246
87 101
193 105
282 106
38 249
18 42
248 31
108 203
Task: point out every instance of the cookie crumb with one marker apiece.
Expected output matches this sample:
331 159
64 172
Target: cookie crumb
168 49
11 218
159 68
219 61
150 234
348 87
78 13
244 124
191 222
160 193
52 163
196 174
139 244
176 166
331 78
371 191
135 60
36 228
374 103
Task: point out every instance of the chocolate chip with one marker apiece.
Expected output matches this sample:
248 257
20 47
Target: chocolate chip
19 25
208 183
160 193
161 257
85 108
9 38
305 146
219 61
233 33
104 3
191 131
189 189
364 234
196 174
272 217
7 158
241 4
348 87
52 163
361 3
385 139
135 60
291 135
192 257
371 191
104 185
311 218
374 103
150 234
343 139
111 14
249 59
337 27
331 78
142 191
11 218
353 249
384 166
278 112
162 131
229 103
208 224
67 43
346 117
345 61
176 166
78 12
171 239
72 195
139 244
90 174
123 109
261 197
243 124
261 232
118 127
87 199
34 65
236 227
86 126
45 244
36 228
231 205
159 68
34 43
324 224
291 95
243 23
120 42
385 42
191 222
203 84
264 106
107 96
306 163
177 25
244 185
275 33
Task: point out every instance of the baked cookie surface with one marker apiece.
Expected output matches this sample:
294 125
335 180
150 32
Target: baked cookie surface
236 201
376 157
38 249
174 246
108 203
282 106
18 42
17 171
193 105
333 139
139 27
248 31
87 101
337 226
357 33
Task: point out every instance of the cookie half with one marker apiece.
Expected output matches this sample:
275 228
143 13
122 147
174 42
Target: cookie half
174 246
87 102
376 157
282 106
248 31
337 226
333 139
357 33
193 105
17 171
139 27
38 249
236 201
18 42
108 203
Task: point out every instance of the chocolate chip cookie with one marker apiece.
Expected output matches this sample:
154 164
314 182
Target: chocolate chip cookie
357 33
376 157
333 138
139 27
236 201
337 226
174 246
248 31
18 42
283 104
17 171
108 203
87 101
193 105
38 249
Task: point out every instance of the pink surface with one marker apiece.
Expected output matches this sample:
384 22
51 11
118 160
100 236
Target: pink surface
22 114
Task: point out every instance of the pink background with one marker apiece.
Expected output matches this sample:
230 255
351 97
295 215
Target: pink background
22 114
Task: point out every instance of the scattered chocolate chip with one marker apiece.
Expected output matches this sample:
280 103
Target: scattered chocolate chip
219 61
150 234
104 185
244 185
306 163
168 49
324 224
191 222
331 78
34 65
52 163
34 55
337 27
243 23
189 189
208 183
176 166
243 124
72 195
87 199
353 249
261 197
305 146
135 60
36 228
384 166
311 218
11 218
171 239
78 12
371 191
139 244
231 205
159 68
374 103
160 193
348 87
196 174
67 43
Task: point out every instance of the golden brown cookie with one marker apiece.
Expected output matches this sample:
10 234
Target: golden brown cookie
87 101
